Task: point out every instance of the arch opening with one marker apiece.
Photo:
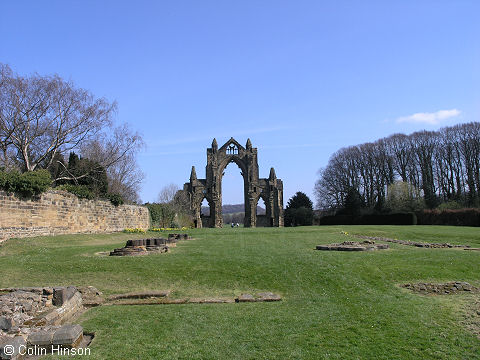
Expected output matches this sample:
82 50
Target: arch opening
233 199
205 211
261 213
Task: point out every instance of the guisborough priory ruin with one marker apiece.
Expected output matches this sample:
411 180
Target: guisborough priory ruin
269 189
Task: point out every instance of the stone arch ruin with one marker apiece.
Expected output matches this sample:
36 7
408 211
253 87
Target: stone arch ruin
210 188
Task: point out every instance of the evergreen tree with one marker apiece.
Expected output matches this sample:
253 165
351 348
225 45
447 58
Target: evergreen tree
299 210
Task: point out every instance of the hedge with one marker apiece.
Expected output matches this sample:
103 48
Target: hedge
387 219
336 220
460 217
376 219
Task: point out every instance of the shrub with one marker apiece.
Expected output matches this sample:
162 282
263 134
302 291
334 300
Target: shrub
405 197
161 215
81 191
28 184
115 199
8 181
449 205
85 192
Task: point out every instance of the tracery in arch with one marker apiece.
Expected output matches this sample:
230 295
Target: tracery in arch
232 149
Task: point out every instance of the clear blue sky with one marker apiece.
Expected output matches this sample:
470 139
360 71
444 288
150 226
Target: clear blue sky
300 78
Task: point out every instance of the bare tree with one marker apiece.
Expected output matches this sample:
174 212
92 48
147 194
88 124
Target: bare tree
45 115
116 152
167 193
444 164
43 118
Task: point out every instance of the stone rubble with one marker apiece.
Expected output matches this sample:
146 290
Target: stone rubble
91 296
36 316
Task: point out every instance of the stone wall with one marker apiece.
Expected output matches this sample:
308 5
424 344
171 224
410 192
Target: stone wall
58 212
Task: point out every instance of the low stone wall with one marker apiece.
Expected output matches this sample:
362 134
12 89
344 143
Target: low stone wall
58 212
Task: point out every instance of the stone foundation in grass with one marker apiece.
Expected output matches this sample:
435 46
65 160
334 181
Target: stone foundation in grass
367 245
161 298
452 287
260 297
416 243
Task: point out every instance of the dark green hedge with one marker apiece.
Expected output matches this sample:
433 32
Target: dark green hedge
337 220
374 219
458 217
387 219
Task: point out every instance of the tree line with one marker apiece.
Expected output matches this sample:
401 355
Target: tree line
49 123
439 166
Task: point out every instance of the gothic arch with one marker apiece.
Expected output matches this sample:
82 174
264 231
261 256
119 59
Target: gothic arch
270 189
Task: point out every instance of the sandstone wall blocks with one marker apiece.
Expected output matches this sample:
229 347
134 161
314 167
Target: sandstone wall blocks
41 337
62 213
68 336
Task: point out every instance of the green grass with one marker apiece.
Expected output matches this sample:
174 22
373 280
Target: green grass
337 305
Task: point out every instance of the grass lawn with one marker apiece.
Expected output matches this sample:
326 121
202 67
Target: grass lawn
337 305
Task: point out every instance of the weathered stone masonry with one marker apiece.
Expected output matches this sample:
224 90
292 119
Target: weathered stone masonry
58 212
269 189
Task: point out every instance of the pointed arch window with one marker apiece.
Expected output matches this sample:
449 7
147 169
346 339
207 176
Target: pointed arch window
232 149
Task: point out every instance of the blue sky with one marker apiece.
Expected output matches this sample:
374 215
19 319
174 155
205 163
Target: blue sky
300 78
